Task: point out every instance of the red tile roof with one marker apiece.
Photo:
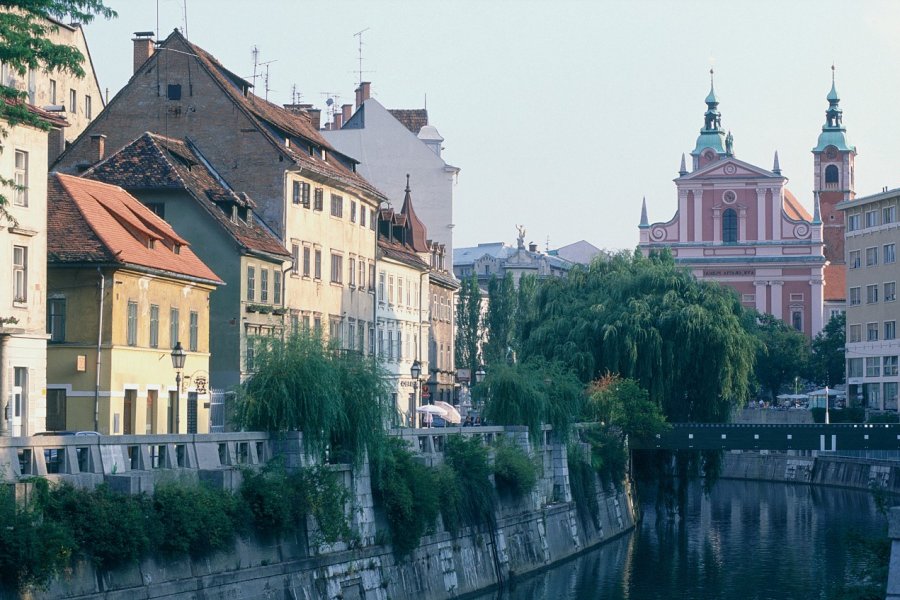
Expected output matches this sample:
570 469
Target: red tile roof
835 282
413 119
794 209
92 222
53 118
155 162
415 226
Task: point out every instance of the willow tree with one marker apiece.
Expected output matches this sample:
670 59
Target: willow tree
646 319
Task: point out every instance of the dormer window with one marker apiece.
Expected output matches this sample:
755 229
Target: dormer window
151 243
176 248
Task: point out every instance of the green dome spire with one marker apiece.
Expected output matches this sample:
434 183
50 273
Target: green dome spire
833 131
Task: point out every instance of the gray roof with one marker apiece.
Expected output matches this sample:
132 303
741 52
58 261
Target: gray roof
500 251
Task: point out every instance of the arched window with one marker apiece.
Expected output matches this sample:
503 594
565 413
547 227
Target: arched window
729 226
797 320
831 174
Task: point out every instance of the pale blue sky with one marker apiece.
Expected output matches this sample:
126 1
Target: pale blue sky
563 114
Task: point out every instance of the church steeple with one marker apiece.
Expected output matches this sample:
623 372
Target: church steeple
644 222
833 131
711 142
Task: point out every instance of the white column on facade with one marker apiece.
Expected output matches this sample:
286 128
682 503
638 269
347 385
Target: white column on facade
682 215
698 216
760 296
776 213
742 224
717 224
760 213
777 301
817 306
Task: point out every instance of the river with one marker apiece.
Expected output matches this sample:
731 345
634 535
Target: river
745 540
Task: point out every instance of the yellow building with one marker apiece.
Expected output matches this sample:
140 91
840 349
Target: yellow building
123 290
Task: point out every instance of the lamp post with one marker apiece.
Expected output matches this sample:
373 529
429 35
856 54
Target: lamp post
415 371
178 356
479 377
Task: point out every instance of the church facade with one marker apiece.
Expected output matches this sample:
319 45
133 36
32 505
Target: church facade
737 224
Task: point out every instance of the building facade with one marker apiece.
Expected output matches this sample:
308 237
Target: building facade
123 290
498 258
872 350
737 224
442 291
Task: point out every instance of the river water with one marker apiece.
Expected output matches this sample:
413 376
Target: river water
745 541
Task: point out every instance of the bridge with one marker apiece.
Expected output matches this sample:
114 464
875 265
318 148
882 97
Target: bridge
751 436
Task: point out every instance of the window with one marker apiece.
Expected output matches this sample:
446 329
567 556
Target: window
371 339
306 258
890 330
21 177
295 259
334 330
301 193
276 286
372 220
399 345
871 332
831 174
250 353
154 326
337 206
399 290
251 283
381 295
797 319
361 332
380 342
872 293
854 296
854 367
390 289
56 319
352 273
318 264
337 268
362 274
797 297
131 331
890 366
890 289
351 335
889 254
853 222
52 91
72 102
194 332
871 257
854 259
87 107
390 354
319 199
888 214
729 226
173 327
20 274
873 366
854 333
372 277
362 215
353 211
56 409
264 285
173 91
871 218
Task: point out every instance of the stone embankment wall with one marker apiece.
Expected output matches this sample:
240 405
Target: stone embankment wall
839 471
531 534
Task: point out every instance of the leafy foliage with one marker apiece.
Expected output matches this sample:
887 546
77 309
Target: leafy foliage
782 352
625 406
515 473
583 484
826 360
469 460
335 398
468 324
192 519
608 455
499 320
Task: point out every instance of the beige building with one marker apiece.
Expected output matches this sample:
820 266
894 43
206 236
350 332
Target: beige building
23 265
123 290
442 289
871 239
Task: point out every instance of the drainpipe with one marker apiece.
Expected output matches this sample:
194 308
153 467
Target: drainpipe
99 348
5 429
284 319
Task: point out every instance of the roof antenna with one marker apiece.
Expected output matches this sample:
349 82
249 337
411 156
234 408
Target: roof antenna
254 52
185 21
359 35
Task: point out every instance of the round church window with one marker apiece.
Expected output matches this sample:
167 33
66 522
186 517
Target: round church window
729 197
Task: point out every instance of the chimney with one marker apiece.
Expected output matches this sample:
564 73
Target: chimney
358 97
364 88
143 47
346 112
315 117
338 121
532 247
98 146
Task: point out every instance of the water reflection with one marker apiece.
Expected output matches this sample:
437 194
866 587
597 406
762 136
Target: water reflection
747 540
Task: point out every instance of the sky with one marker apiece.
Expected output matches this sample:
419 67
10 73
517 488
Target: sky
562 115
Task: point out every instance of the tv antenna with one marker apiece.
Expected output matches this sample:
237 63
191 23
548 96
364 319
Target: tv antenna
296 96
359 34
266 76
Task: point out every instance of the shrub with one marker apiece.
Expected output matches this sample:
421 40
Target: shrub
469 460
318 492
451 498
583 486
514 471
608 455
839 415
884 418
193 519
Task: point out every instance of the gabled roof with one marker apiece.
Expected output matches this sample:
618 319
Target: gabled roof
413 119
793 208
717 168
155 162
92 222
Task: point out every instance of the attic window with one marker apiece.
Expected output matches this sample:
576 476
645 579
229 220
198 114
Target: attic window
310 148
151 243
176 248
287 142
174 91
323 153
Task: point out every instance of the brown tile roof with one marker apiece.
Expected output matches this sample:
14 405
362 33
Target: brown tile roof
835 282
277 123
90 222
416 228
794 209
155 162
53 118
401 253
413 119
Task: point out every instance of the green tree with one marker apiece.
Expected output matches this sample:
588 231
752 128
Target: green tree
782 353
24 46
625 406
526 310
826 359
683 340
468 325
499 320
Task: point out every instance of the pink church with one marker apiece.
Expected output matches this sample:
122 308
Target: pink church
738 224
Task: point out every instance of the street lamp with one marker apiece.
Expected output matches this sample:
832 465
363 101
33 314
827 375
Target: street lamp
479 377
479 374
178 356
415 371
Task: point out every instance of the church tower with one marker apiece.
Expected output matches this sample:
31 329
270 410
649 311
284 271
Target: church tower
711 143
833 165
